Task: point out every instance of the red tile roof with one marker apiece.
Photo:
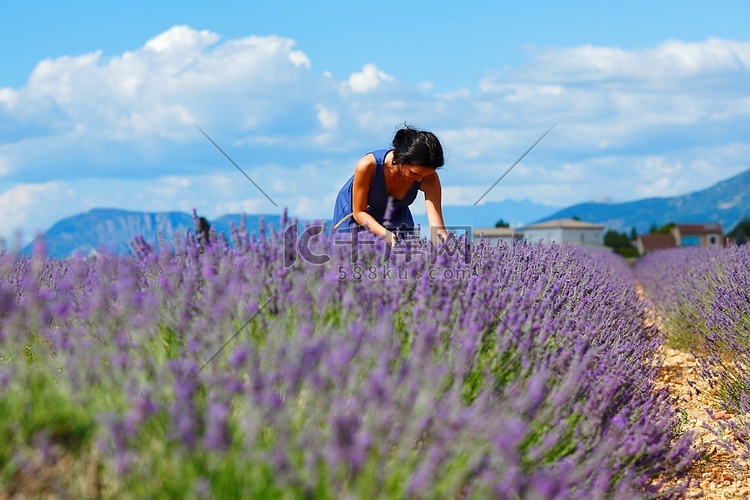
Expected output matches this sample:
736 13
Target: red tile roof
657 241
698 229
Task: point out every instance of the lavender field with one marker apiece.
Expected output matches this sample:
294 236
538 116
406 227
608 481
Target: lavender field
229 370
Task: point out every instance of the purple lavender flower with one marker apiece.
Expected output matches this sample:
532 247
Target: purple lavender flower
217 435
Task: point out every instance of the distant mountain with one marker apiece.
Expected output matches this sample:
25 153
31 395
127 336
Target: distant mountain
726 203
515 213
112 230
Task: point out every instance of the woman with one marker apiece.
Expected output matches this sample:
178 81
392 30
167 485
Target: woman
397 173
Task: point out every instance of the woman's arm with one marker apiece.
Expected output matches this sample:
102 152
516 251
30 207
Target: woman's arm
363 174
433 204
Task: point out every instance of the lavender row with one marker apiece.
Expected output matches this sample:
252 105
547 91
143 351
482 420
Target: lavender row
218 369
706 293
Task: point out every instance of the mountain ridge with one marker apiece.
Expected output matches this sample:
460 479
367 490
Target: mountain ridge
727 202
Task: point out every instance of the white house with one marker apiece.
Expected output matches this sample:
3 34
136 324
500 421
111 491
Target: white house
566 231
505 235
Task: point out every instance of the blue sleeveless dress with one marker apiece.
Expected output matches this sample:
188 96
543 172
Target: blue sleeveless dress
377 201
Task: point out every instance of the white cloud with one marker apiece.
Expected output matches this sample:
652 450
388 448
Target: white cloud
671 61
736 108
8 97
652 168
609 97
150 96
327 117
461 195
656 188
169 187
181 39
369 79
298 58
28 208
516 92
311 208
478 142
252 206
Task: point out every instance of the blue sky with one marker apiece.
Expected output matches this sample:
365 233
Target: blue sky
98 101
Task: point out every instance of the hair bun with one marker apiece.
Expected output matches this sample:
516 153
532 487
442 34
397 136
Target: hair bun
417 147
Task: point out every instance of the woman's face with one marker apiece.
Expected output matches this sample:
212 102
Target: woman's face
416 173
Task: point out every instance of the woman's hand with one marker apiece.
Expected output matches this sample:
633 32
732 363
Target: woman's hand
391 238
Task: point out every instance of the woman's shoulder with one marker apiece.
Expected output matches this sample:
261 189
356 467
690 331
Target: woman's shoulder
379 155
365 167
367 162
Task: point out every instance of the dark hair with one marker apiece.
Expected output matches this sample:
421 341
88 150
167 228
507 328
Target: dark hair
204 230
417 147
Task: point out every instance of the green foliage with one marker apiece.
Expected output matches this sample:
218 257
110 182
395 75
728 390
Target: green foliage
499 367
166 343
733 390
683 328
502 223
621 243
682 418
665 229
39 407
199 474
628 252
565 445
741 231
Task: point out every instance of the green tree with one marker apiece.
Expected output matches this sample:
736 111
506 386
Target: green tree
665 229
620 243
741 231
502 223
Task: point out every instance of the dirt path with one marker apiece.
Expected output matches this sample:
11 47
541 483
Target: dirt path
719 473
